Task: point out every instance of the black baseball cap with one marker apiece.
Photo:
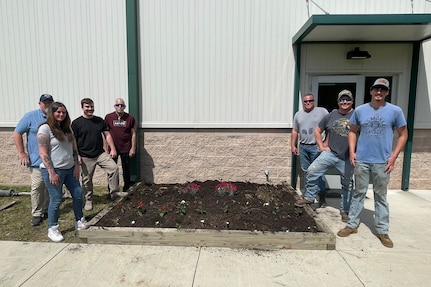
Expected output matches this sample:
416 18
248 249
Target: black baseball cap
46 97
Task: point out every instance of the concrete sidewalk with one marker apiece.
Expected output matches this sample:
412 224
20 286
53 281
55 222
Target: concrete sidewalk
359 260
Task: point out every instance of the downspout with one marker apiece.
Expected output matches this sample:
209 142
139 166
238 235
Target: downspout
405 181
297 81
133 78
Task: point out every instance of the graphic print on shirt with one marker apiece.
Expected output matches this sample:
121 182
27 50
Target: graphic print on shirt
310 132
374 127
341 127
119 123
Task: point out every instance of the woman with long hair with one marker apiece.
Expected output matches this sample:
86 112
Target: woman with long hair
59 154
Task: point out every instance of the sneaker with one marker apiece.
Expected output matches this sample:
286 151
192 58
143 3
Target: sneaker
88 205
36 220
302 202
80 224
118 195
322 200
344 216
386 241
346 231
54 234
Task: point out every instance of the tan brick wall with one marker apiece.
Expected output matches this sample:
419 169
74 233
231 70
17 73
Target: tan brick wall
169 157
230 156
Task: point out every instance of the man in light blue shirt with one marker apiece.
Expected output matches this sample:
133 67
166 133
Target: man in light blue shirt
28 125
372 127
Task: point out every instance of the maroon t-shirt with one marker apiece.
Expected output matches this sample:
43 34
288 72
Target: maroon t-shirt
121 130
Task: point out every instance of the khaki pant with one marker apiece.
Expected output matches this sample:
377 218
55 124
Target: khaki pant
88 167
39 193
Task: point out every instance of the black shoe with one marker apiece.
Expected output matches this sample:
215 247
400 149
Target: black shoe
36 220
45 216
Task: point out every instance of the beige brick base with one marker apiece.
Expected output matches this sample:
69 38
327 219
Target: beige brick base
238 155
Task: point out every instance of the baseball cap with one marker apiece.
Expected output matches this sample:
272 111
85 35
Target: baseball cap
345 93
382 82
45 97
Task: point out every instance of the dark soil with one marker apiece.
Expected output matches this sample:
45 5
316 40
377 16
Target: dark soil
261 207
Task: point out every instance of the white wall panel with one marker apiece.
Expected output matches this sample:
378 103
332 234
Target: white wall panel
70 49
229 63
217 63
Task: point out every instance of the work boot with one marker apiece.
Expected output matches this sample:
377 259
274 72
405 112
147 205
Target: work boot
302 202
346 231
344 216
36 220
386 241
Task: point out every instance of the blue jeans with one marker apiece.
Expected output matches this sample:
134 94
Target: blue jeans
380 180
56 194
322 164
307 154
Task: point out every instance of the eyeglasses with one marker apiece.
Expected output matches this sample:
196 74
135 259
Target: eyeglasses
120 105
308 101
344 100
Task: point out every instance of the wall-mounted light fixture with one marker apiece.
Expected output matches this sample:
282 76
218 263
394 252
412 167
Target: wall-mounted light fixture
358 55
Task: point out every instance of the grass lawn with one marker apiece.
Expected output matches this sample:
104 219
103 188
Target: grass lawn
15 221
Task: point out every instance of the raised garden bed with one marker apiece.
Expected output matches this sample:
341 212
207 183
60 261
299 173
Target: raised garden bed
137 219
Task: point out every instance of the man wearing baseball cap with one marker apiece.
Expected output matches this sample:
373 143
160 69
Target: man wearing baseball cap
372 156
333 154
28 125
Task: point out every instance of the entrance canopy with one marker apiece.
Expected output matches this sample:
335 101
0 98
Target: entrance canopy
365 28
377 28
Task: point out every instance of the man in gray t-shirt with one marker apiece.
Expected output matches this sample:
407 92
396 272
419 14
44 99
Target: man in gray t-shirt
304 124
335 154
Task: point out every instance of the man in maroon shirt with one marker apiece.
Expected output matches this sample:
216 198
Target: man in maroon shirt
122 127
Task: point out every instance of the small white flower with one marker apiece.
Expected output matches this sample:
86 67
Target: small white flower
266 204
157 222
183 201
227 223
133 222
202 221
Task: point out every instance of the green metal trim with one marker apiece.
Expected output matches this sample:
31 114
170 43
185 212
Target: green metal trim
405 178
133 78
296 89
360 19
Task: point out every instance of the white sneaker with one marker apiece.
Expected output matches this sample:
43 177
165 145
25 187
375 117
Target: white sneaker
54 234
80 224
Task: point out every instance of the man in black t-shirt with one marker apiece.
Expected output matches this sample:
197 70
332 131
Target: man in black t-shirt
90 132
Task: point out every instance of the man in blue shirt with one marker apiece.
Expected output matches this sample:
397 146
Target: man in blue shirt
372 127
28 125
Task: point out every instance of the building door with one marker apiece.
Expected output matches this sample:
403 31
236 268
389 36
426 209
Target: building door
327 88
